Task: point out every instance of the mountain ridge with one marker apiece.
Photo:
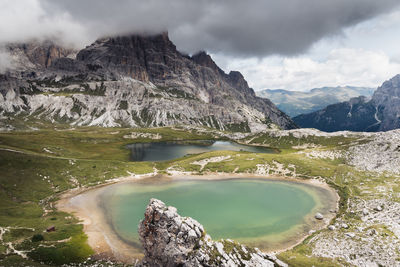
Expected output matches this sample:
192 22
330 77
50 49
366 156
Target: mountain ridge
295 103
379 113
137 81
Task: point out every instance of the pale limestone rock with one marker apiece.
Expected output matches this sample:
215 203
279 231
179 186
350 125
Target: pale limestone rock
378 208
128 81
171 240
319 216
365 211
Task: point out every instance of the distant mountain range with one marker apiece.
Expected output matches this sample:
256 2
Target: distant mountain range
133 81
295 103
380 113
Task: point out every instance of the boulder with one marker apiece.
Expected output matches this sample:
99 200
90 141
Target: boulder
351 235
365 212
319 216
171 240
379 208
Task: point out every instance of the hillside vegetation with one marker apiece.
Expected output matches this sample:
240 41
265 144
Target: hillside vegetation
36 166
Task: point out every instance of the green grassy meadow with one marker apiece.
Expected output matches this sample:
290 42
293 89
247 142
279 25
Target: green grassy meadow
36 166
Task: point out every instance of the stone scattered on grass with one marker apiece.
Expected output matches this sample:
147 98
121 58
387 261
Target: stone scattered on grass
351 235
378 208
319 216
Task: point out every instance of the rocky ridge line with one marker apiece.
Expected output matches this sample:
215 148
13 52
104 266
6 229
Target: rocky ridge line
295 103
131 81
380 113
36 55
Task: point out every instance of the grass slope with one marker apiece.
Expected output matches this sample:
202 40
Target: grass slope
50 161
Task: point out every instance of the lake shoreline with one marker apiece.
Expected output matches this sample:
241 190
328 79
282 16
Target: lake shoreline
156 151
83 203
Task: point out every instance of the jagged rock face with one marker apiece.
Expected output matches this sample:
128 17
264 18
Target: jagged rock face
387 100
155 59
38 54
139 81
203 59
171 240
353 115
141 58
381 113
110 103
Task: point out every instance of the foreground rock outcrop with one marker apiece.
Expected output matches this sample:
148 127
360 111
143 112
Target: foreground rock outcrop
171 240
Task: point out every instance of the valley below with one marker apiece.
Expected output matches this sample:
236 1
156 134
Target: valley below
141 134
43 169
134 108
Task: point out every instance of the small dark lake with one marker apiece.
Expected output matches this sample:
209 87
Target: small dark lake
160 151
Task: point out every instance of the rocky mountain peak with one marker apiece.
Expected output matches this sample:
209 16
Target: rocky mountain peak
389 89
138 80
295 103
140 57
236 79
37 54
171 240
379 113
204 59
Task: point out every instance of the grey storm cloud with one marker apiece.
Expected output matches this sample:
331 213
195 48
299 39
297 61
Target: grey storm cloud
234 27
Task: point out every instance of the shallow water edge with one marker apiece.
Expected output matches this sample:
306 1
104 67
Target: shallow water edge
85 204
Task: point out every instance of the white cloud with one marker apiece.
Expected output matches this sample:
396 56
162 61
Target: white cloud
262 28
345 54
26 20
366 54
343 66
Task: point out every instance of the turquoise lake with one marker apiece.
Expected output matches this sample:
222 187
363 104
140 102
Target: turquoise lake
252 211
172 150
